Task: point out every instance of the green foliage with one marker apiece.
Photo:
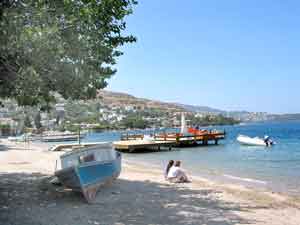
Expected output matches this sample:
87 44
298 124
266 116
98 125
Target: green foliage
4 126
27 122
104 125
37 121
67 47
209 120
134 122
82 112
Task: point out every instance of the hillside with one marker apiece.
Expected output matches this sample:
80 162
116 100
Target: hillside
205 109
117 99
285 117
121 99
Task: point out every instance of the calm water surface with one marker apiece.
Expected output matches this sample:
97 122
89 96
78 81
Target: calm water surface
276 168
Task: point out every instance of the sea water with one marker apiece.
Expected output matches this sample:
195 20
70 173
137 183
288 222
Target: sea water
275 168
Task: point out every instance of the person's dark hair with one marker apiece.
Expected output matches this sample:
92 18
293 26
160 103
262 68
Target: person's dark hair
177 163
170 164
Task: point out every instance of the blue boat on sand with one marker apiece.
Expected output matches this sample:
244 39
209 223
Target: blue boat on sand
87 169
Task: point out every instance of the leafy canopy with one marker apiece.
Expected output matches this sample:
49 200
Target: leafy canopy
59 46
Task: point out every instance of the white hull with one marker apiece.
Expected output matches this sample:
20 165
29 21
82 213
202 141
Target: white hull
245 140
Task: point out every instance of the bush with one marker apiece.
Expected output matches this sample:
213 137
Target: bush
4 126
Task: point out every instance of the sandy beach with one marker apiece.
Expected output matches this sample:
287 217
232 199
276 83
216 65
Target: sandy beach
139 196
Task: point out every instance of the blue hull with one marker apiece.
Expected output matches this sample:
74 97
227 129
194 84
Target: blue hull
89 177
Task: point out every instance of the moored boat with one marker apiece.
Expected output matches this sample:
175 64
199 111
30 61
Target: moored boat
86 170
56 136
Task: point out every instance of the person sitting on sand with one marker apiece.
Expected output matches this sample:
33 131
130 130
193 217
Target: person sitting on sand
170 164
176 174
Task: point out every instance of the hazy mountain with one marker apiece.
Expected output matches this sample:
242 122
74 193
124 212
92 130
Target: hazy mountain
117 99
122 99
205 109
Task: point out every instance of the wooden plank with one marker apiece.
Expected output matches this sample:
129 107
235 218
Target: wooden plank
132 145
134 142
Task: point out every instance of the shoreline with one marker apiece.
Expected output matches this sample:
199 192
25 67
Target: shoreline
221 186
221 178
139 196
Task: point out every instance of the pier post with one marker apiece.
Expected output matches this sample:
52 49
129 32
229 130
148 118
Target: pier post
177 139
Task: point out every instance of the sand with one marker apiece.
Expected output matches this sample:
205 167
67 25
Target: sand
139 196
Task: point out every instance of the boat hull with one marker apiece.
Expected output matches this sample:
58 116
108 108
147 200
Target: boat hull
61 138
88 178
244 140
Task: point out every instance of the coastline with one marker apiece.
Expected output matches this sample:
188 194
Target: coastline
139 196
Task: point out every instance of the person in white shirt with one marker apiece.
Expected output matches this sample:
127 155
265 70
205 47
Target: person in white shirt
170 164
176 174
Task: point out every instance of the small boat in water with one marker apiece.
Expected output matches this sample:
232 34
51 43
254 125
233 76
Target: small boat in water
86 170
55 136
256 141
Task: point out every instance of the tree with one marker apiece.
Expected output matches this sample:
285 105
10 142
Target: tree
37 121
67 47
27 122
134 122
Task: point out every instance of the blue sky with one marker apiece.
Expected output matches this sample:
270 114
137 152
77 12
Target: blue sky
232 55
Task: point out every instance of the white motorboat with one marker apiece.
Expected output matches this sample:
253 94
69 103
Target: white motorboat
149 138
256 141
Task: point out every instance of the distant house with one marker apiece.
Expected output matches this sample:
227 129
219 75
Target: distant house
49 123
4 112
60 107
199 115
129 108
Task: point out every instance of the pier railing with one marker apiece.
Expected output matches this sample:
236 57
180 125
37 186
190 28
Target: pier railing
204 137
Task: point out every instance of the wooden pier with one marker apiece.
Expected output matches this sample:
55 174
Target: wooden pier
186 140
142 145
134 143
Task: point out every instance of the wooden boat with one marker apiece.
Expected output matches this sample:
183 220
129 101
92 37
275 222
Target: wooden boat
195 131
86 170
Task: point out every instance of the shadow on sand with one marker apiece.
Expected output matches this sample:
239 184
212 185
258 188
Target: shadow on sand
3 147
29 199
